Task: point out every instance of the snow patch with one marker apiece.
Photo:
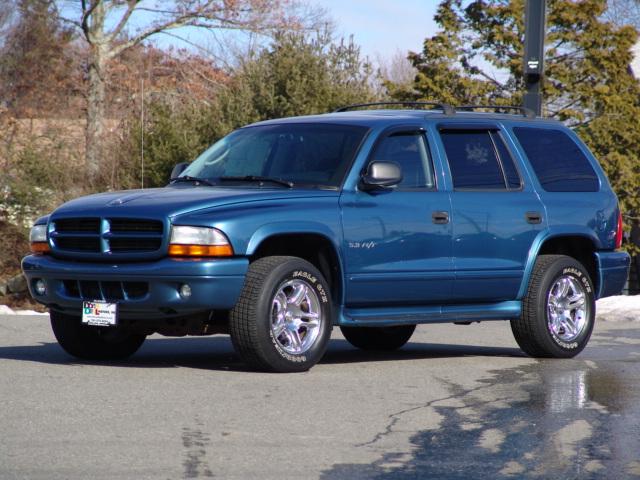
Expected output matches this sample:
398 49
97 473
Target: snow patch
4 310
621 308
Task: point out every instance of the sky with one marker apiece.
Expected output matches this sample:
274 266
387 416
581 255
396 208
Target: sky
381 27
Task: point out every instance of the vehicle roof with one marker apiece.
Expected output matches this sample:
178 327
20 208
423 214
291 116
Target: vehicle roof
390 117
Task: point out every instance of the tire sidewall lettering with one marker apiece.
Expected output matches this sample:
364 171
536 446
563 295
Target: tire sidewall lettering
579 276
314 283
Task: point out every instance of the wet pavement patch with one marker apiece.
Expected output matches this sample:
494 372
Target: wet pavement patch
195 442
563 419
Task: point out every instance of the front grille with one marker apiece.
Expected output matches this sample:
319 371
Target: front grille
79 244
130 225
78 225
119 245
107 291
107 235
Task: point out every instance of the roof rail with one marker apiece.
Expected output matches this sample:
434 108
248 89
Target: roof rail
497 108
446 108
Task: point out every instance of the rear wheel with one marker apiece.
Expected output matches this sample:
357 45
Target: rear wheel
378 338
93 343
558 312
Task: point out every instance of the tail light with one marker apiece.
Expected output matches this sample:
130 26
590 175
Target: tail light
619 231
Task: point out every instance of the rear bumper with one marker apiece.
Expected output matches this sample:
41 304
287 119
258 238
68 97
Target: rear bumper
215 284
613 271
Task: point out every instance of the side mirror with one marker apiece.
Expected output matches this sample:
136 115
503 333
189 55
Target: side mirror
381 175
178 169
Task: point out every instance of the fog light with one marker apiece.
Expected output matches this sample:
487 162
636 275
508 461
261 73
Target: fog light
40 287
185 291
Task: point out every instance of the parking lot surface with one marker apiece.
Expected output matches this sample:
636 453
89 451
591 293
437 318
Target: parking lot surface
456 402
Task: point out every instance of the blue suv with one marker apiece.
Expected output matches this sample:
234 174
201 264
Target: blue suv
370 219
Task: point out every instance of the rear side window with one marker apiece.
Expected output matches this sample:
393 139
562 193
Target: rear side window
509 168
473 160
557 160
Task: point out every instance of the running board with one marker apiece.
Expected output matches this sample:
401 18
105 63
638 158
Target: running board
387 316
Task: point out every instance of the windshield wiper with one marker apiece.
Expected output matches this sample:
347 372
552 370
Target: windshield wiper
257 178
188 178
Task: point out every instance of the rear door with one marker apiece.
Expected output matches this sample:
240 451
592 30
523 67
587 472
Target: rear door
495 214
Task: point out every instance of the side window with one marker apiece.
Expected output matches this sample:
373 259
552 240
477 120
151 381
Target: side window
409 150
473 160
558 162
509 168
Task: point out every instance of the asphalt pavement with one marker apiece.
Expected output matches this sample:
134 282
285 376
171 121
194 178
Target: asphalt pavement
457 402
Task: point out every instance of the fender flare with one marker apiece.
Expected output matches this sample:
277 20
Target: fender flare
314 228
549 234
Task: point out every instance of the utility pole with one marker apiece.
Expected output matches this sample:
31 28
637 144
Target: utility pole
534 19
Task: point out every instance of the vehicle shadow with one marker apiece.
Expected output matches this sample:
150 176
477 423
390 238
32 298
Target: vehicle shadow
216 353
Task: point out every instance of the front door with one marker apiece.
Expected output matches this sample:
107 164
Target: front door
397 241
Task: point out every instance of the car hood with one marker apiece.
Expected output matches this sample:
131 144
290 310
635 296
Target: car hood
175 200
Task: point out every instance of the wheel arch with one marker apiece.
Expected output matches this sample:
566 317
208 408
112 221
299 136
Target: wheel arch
312 245
580 245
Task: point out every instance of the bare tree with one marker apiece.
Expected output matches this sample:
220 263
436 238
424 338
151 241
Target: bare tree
109 28
7 14
397 68
623 12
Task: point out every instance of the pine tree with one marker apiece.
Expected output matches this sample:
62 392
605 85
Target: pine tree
477 57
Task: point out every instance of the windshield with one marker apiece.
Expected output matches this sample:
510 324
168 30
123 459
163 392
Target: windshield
303 154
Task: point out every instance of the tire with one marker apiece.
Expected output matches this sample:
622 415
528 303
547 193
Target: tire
282 321
378 338
93 343
558 311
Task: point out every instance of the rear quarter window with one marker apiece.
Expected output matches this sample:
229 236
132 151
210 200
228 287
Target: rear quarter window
557 160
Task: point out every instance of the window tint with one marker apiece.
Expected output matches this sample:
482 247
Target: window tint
558 162
409 150
472 159
509 168
307 154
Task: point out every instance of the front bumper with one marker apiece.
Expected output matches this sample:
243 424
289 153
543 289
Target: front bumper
613 272
215 284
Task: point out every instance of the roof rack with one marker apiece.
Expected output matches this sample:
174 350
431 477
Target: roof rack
446 108
497 108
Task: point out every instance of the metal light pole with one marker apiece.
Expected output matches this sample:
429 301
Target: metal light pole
534 19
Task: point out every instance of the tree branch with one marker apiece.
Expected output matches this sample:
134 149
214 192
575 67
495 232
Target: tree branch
184 21
86 13
131 6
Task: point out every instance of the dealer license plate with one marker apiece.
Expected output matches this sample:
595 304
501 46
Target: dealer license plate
99 313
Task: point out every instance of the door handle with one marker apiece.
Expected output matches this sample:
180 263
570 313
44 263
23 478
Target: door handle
440 218
533 217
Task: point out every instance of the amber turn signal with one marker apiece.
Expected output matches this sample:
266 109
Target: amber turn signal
178 250
40 247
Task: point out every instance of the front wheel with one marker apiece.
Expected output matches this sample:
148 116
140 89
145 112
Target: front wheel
558 312
282 321
93 343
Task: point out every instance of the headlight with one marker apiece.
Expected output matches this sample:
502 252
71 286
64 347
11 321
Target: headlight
198 242
38 239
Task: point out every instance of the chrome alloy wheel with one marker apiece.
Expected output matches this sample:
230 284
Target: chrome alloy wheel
296 316
567 308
